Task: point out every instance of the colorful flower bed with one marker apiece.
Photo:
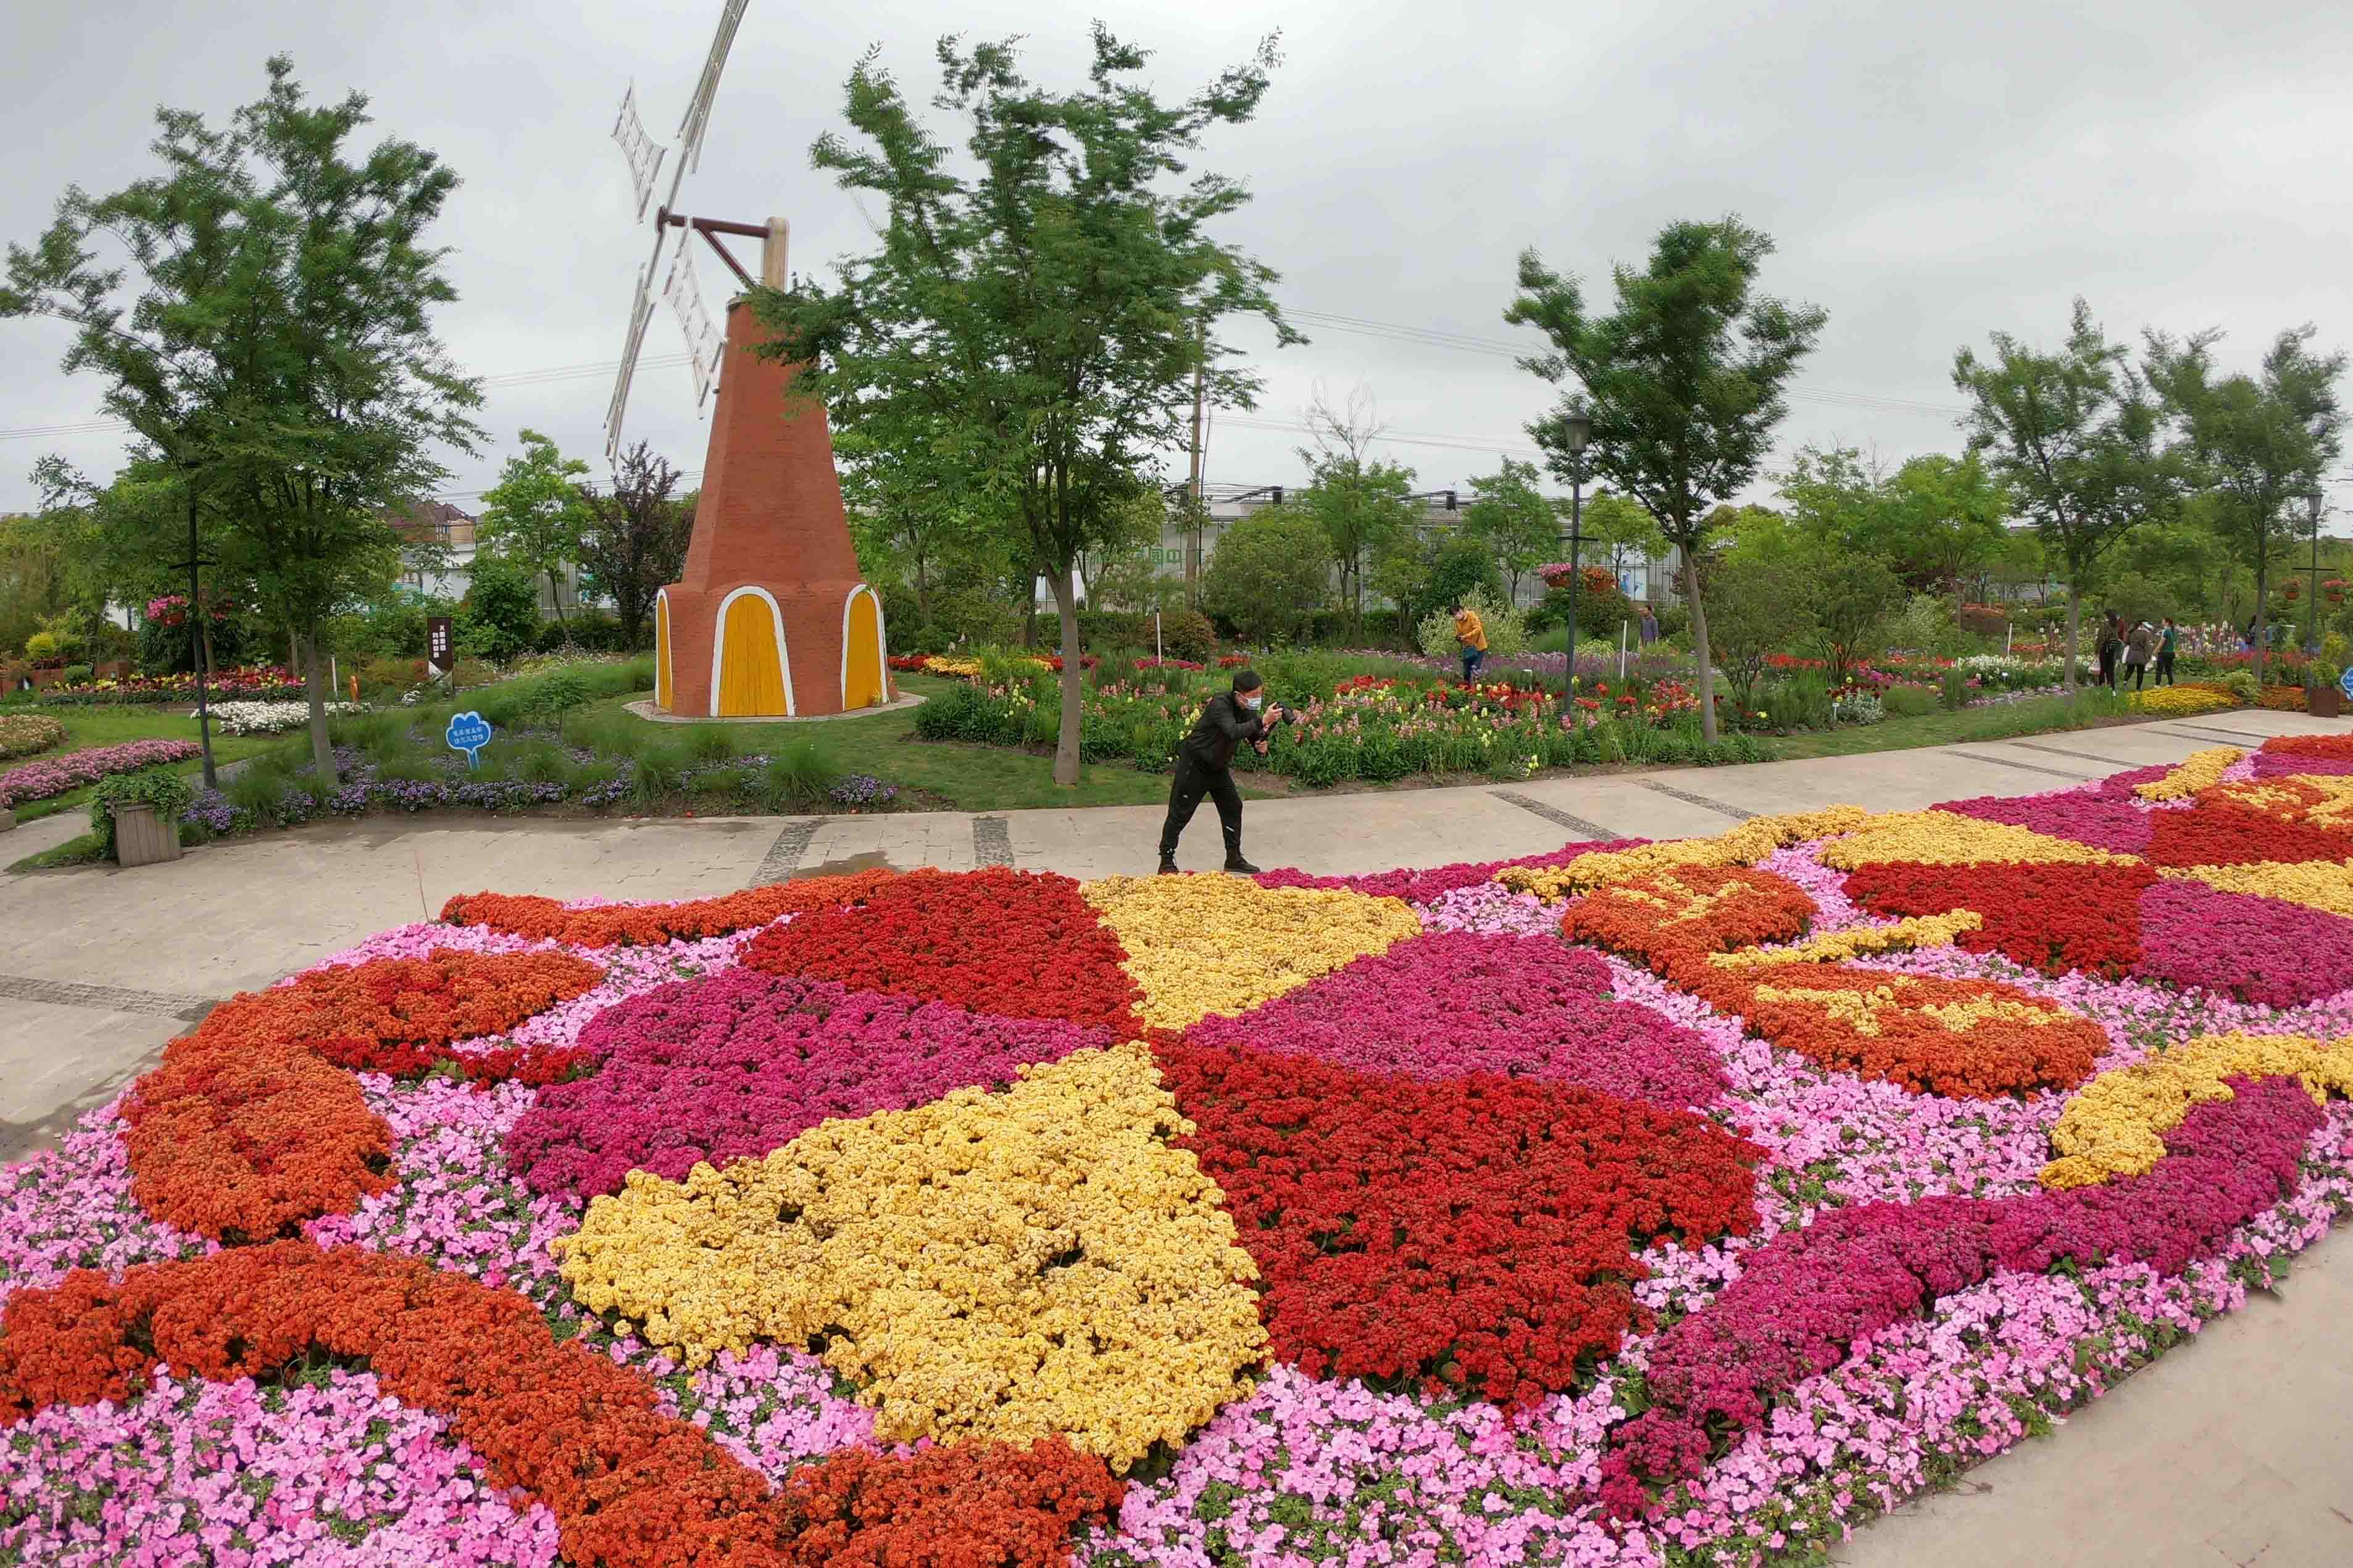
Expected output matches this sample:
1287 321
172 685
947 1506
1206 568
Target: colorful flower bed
1632 1203
55 775
22 734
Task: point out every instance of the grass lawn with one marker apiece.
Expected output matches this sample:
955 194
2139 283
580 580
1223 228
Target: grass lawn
2036 716
113 726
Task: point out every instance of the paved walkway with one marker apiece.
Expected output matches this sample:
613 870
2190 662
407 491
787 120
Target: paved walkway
2237 1450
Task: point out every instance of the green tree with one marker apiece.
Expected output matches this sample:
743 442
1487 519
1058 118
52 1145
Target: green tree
1683 383
2255 445
1622 531
501 608
35 582
1757 607
1518 524
2073 437
1034 312
1943 519
1850 597
538 515
276 347
1268 574
635 543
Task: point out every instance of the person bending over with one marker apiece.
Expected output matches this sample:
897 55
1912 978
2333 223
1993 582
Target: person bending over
1204 763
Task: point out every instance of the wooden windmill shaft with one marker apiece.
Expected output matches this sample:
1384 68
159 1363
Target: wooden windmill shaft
771 615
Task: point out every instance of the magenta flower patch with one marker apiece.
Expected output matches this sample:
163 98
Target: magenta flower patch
2103 818
733 1067
1450 1003
2239 945
1420 886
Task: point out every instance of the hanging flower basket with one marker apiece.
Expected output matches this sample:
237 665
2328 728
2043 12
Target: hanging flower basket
2294 590
2335 589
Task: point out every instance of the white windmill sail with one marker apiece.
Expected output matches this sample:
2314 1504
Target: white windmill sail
644 154
703 343
642 310
698 107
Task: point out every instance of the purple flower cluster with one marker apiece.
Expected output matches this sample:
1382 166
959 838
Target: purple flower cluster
2103 817
46 777
731 1068
2254 949
1803 1299
1422 886
1448 1004
863 789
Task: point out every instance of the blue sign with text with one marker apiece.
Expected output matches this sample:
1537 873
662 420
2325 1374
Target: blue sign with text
468 732
2346 681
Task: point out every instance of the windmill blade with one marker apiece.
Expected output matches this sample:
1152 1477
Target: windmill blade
703 343
645 155
642 310
698 107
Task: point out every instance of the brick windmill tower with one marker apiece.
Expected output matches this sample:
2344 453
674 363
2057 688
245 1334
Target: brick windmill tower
771 617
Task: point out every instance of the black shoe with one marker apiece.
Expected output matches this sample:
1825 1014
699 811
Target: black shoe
1168 865
1242 867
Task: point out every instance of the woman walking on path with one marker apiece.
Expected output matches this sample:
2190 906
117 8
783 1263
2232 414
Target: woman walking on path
2112 645
2165 652
2138 647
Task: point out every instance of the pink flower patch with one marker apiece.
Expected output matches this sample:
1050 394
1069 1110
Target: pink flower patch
2239 945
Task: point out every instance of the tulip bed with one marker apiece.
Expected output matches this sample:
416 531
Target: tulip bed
1631 1204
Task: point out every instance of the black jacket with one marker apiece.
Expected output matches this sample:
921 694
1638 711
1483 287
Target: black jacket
1224 724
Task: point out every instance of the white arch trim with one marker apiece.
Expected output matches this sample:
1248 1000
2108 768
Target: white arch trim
881 644
665 648
719 644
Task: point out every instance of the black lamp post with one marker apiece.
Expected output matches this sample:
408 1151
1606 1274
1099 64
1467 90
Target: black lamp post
1578 430
196 634
2312 636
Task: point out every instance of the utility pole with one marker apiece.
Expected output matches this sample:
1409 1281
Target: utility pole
1193 490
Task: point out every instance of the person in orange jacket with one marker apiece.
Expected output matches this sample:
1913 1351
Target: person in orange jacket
1471 633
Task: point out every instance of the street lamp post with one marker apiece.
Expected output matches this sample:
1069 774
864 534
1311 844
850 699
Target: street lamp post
1579 432
2312 636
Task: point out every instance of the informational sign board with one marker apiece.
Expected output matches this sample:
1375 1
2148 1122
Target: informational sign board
440 645
2346 681
468 732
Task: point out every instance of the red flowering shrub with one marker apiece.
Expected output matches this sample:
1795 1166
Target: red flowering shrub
1674 917
1969 1040
2336 747
627 1484
249 1127
1473 1233
2044 915
2219 832
1021 944
646 925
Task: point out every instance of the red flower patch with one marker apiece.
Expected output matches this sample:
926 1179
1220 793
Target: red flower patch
627 1483
1021 944
2217 832
2039 914
1474 1233
2338 747
1671 918
646 925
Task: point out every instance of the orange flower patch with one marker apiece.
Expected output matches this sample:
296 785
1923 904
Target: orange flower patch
647 925
1677 917
1969 1040
250 1127
627 1483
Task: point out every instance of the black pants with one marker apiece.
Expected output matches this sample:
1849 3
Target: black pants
2139 674
2108 666
1193 782
2165 667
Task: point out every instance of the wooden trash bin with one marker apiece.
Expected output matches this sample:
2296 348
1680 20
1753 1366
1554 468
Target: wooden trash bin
142 838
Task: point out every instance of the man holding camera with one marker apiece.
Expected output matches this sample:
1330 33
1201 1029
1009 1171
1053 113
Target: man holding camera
1204 764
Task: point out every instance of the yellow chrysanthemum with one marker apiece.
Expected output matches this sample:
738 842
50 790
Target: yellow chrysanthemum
2295 798
1200 945
1948 838
1744 846
2115 1126
2321 884
1002 1266
2202 771
2181 702
1837 947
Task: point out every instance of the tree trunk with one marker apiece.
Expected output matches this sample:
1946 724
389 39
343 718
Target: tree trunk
556 597
2263 629
1699 647
294 651
1066 741
1029 618
2075 629
323 750
923 593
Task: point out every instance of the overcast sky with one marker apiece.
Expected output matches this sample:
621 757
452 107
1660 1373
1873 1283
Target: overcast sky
1929 173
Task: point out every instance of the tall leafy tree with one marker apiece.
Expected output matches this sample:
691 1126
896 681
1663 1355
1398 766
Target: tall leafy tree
1942 519
635 543
1517 522
1268 574
269 340
1035 312
1684 382
2255 445
1622 531
2073 435
537 515
1368 513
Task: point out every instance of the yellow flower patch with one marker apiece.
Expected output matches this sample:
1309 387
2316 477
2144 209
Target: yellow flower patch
1837 947
1200 945
1005 1266
2321 884
2181 702
1744 846
1948 838
2115 1127
2203 770
2322 799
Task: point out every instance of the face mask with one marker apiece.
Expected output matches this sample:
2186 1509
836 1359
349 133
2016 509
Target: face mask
1251 703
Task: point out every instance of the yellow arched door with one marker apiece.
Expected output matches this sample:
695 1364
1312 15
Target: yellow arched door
751 660
662 683
861 651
